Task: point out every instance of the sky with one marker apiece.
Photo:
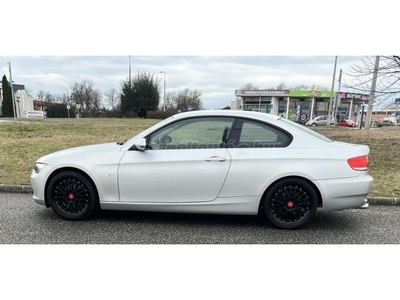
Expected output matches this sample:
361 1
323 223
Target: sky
216 77
210 46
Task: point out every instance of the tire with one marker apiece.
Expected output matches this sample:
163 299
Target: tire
71 196
313 124
290 203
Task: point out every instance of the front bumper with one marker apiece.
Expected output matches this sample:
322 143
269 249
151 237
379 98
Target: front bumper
38 184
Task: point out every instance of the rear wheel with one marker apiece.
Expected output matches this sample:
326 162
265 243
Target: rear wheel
71 196
290 203
313 124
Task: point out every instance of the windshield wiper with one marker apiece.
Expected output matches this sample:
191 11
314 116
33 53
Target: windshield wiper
121 142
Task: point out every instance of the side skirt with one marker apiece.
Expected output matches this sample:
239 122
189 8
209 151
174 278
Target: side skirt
235 205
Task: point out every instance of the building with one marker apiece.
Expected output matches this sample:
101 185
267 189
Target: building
290 103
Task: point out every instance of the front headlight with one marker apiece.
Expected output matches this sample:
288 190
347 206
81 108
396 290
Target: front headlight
38 167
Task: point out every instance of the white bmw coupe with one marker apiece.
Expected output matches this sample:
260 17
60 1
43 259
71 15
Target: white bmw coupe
222 162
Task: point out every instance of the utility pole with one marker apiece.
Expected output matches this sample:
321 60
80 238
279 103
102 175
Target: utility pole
372 94
328 119
337 96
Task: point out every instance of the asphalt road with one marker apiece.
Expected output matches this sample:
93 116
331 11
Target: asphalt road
24 222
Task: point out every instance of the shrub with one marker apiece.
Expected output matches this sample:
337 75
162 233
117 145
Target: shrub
57 110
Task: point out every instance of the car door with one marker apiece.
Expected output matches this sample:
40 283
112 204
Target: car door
258 151
185 162
321 121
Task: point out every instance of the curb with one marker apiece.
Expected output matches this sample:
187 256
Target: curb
26 189
18 189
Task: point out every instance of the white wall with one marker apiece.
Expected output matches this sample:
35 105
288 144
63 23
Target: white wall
25 104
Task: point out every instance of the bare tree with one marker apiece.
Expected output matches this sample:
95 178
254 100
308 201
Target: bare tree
28 92
312 87
388 82
112 98
87 97
183 100
281 86
49 98
249 86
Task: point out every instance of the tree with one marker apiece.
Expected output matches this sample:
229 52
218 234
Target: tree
184 100
359 77
141 94
312 87
7 106
89 98
40 96
249 86
28 92
112 98
59 110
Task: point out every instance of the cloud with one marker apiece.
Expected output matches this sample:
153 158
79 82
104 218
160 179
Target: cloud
216 77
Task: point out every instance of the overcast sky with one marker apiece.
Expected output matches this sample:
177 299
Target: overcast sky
216 77
214 47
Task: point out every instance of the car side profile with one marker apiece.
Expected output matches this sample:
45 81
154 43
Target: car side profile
387 123
320 121
346 123
214 162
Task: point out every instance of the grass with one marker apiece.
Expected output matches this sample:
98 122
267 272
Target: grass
21 146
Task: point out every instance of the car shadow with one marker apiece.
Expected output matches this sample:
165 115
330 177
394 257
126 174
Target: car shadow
324 221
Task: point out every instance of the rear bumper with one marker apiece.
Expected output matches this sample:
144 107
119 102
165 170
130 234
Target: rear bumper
339 194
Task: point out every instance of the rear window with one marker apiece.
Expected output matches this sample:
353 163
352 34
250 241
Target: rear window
307 130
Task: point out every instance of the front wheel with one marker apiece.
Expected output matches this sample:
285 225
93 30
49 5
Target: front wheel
71 196
290 203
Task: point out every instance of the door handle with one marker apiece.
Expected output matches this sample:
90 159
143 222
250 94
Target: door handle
215 158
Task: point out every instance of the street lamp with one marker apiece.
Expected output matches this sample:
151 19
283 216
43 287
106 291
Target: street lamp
164 87
129 70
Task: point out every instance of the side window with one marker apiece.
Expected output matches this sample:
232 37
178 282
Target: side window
196 133
259 135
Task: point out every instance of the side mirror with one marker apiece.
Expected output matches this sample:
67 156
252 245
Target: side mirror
140 145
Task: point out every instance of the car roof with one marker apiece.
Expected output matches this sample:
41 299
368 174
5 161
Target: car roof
228 113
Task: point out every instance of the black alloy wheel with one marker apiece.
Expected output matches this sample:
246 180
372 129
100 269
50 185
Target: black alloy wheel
290 203
71 196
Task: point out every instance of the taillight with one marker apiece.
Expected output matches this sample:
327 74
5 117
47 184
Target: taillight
359 163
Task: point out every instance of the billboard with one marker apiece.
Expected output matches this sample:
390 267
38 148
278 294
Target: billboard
344 95
33 114
312 94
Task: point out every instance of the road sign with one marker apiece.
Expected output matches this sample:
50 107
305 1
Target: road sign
68 106
397 101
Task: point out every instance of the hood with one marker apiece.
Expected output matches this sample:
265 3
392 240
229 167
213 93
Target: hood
82 151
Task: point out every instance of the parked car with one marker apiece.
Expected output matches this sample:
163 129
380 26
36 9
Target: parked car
387 123
320 121
347 123
222 162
